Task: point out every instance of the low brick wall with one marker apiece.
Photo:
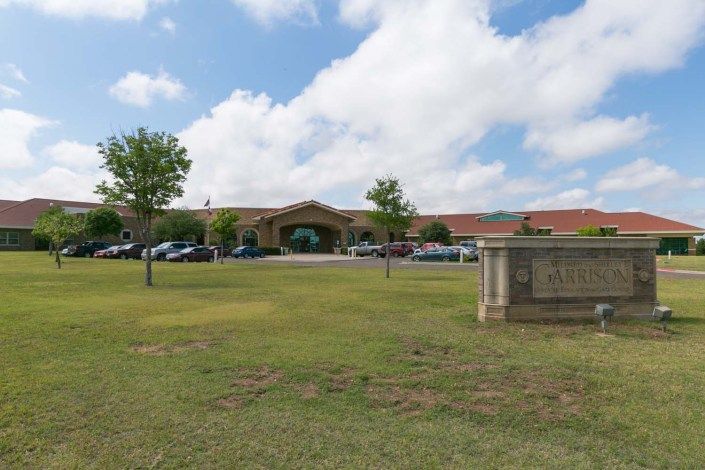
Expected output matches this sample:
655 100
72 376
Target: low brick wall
526 278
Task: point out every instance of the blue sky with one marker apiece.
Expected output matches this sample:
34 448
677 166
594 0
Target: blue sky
475 105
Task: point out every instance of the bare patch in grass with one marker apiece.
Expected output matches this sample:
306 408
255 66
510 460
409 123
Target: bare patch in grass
253 384
405 400
164 349
309 391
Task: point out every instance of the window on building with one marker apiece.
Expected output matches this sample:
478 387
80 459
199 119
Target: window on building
501 217
9 238
367 237
677 246
250 237
126 235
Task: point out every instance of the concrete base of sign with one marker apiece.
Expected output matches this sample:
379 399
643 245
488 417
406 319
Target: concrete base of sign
539 278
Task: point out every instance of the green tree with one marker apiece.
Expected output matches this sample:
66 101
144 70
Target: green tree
56 226
435 231
589 231
700 247
102 221
223 224
526 230
179 224
148 171
391 210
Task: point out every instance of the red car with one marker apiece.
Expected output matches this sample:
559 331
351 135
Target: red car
195 253
129 251
104 253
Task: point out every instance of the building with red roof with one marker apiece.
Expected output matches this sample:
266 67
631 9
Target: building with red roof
311 226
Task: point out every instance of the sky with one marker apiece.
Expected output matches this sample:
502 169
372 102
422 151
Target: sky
475 105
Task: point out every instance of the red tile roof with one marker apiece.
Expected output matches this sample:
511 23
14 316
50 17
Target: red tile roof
24 213
302 204
562 222
4 203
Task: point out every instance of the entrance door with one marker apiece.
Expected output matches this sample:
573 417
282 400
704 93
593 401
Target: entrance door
305 240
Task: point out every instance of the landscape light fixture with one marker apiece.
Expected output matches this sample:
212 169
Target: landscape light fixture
663 314
604 311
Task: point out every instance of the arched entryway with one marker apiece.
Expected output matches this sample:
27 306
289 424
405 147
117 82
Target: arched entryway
351 238
367 237
309 238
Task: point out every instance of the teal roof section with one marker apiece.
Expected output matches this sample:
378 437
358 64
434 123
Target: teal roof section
501 216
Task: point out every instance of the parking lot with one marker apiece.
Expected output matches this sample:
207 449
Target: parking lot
342 261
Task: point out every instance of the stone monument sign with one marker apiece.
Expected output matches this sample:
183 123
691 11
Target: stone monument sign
526 278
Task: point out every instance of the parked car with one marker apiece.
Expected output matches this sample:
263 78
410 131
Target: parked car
469 254
368 248
247 252
87 249
226 251
397 249
469 244
429 245
106 252
438 254
160 251
194 253
129 251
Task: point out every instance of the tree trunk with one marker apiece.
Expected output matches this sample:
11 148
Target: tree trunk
58 259
51 248
148 261
222 246
389 251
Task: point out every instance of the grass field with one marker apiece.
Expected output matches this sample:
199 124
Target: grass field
688 263
284 366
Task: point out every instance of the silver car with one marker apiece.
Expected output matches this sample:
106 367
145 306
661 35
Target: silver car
160 251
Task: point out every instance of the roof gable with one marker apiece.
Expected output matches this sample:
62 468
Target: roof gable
301 205
499 216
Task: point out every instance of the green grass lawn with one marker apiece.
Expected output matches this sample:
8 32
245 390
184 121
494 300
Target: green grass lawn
688 263
286 366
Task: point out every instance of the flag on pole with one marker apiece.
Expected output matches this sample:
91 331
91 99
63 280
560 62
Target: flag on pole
208 205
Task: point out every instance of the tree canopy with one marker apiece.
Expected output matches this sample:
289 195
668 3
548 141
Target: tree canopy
435 231
179 224
223 223
526 230
148 171
391 210
102 221
56 226
589 231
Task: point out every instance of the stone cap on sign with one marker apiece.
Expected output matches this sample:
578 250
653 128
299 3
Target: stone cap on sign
567 242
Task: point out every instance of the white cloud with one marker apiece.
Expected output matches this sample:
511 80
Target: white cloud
78 9
7 92
576 198
427 83
168 25
569 143
139 89
575 175
16 129
268 12
13 71
56 182
646 173
73 154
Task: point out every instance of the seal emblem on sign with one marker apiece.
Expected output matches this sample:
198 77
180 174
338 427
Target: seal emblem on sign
523 276
644 275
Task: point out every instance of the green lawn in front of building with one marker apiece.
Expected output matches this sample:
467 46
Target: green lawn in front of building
688 263
252 364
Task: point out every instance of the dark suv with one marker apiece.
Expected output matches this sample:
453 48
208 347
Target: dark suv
129 251
87 248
